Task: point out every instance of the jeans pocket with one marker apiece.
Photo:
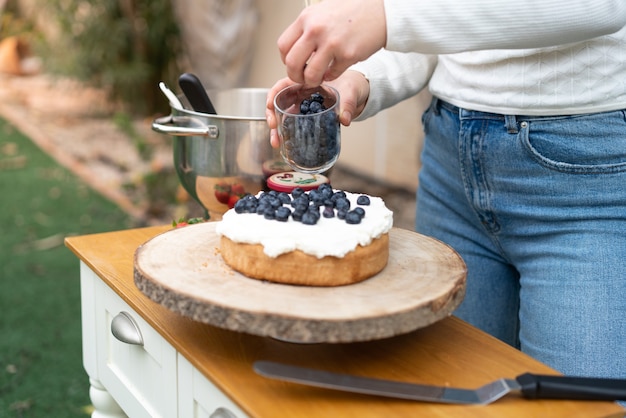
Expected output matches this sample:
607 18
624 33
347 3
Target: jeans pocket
586 144
428 113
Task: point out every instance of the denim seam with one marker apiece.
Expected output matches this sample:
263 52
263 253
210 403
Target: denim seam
477 189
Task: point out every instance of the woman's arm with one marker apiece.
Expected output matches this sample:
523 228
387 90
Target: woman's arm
330 36
450 26
393 77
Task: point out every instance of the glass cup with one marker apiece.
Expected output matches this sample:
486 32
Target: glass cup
308 127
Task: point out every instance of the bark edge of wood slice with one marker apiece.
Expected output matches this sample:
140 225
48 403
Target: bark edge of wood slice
182 269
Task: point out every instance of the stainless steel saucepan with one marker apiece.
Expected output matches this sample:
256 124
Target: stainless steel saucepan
218 157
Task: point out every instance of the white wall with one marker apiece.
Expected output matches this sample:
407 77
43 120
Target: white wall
385 147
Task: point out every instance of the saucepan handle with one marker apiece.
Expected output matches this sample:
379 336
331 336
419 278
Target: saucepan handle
565 387
183 126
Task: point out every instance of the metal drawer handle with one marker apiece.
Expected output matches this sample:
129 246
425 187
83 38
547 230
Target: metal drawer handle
222 412
125 329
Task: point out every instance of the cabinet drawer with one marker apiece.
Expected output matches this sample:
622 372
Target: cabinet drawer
140 375
199 398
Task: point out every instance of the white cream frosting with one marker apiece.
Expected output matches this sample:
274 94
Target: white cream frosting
329 237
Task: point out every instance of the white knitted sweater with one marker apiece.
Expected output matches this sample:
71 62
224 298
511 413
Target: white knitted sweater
524 57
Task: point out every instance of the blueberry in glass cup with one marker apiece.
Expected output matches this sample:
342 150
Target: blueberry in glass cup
308 127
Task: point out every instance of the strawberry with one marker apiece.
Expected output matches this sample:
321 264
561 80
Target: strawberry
182 222
237 190
232 200
222 192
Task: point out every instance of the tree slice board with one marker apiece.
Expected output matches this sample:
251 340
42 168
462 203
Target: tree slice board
182 270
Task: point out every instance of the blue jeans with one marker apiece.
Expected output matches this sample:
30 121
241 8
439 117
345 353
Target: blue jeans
536 206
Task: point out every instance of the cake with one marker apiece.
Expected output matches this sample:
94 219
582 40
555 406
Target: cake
322 237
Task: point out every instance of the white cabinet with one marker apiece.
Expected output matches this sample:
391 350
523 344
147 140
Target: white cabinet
199 398
133 370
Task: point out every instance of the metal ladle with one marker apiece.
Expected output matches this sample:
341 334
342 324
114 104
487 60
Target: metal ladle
174 102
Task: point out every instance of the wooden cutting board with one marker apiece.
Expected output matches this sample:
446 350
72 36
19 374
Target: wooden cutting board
182 270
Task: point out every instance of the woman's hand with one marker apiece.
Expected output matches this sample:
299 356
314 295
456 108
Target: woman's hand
330 36
353 90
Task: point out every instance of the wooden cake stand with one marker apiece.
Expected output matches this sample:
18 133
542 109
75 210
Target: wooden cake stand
182 270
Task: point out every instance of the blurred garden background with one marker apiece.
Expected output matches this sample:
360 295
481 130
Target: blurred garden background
78 87
78 91
71 72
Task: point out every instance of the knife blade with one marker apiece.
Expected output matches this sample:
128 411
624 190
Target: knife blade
531 386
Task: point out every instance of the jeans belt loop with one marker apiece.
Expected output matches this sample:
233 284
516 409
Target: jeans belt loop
510 123
436 103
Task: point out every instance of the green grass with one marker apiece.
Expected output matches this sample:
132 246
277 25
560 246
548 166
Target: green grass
41 372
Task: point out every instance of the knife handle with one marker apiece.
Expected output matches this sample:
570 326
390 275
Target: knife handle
195 93
535 386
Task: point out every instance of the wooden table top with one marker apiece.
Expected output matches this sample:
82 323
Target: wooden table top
447 353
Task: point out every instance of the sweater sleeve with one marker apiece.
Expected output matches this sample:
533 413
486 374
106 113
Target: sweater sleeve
393 77
451 26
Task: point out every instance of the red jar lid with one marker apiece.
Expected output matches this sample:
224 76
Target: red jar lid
287 181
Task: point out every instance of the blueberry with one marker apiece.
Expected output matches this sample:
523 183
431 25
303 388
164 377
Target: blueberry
246 205
282 214
314 210
314 107
284 198
360 211
297 215
240 206
342 203
327 192
353 217
301 202
304 106
308 218
316 197
264 201
338 194
302 207
251 206
274 202
317 97
328 212
325 188
341 214
262 207
298 191
329 124
301 197
363 200
270 213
